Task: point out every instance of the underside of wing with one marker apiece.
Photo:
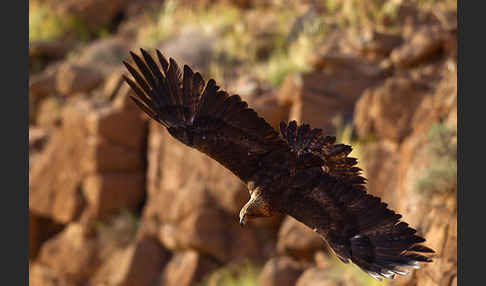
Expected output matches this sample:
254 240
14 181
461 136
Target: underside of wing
359 227
201 115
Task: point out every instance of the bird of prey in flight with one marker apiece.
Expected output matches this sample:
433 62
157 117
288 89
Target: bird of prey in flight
298 172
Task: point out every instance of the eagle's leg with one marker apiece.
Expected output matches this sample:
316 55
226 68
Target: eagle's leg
256 207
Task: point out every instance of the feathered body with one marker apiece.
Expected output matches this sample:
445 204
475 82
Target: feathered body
299 172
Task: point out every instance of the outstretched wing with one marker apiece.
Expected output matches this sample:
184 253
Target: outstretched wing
310 145
202 116
358 227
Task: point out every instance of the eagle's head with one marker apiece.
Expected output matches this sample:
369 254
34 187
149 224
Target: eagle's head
256 207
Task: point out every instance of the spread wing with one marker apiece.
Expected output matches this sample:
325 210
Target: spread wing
200 115
310 145
356 225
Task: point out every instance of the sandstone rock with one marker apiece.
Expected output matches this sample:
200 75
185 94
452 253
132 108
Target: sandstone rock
55 179
202 230
377 44
138 264
41 275
431 207
43 84
40 229
318 97
53 50
425 43
280 271
113 84
71 252
108 192
274 112
88 12
81 148
105 54
186 268
103 156
386 111
37 138
193 202
297 240
198 57
380 161
40 86
442 103
34 235
73 78
108 121
322 259
433 214
174 165
49 113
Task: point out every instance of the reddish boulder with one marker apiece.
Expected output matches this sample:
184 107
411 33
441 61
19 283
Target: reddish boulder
137 264
298 240
41 275
386 111
425 43
185 269
280 271
72 78
318 97
109 192
72 252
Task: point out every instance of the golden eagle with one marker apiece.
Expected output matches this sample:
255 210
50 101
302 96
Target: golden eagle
299 172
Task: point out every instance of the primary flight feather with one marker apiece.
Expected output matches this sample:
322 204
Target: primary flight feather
299 172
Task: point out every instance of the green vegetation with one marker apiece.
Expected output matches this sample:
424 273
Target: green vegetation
241 274
244 45
116 231
349 272
45 25
441 176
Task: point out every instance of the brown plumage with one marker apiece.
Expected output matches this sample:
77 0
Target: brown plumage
299 172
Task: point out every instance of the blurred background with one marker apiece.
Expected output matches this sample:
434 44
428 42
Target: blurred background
114 200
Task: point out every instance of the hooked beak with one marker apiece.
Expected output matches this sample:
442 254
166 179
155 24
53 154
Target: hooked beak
242 221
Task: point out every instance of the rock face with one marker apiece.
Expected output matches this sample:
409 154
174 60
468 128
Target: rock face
88 11
80 163
319 97
137 264
193 202
40 275
186 268
72 79
298 240
115 200
72 252
280 271
200 53
386 111
425 43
